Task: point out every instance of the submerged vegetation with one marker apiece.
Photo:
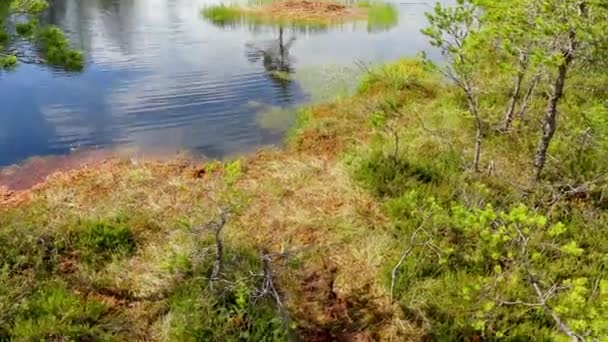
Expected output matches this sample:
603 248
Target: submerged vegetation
407 211
379 16
19 21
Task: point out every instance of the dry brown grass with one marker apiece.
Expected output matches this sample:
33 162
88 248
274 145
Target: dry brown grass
300 199
297 200
306 10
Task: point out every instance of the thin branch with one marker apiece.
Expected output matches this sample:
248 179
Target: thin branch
562 326
441 137
518 302
217 227
404 255
543 297
270 288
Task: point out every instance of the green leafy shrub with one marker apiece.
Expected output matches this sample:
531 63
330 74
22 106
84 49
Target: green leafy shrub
50 41
230 311
491 273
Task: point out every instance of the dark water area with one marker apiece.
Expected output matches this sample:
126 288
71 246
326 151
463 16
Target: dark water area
159 76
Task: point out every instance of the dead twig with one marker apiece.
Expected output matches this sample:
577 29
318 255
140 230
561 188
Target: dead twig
561 325
543 297
216 226
269 287
404 255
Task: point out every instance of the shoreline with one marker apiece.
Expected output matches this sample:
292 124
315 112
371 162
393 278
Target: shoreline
18 181
360 237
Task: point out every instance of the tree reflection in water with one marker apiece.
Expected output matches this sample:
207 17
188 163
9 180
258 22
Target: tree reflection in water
275 56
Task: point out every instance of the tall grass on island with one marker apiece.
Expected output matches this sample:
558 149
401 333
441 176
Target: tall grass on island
305 14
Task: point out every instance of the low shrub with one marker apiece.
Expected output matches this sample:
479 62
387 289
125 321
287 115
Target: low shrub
391 177
53 313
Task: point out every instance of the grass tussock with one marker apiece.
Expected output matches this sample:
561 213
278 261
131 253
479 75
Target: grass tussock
222 14
367 225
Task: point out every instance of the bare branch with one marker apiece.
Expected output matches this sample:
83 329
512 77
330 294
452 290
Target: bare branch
543 297
562 326
269 286
216 226
404 255
518 302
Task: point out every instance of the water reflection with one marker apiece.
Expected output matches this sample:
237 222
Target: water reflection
275 57
158 76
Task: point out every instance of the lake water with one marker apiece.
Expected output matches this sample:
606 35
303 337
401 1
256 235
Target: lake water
159 76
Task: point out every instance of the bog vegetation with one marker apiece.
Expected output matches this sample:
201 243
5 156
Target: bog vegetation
460 201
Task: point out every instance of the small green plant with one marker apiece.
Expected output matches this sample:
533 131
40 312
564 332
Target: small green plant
55 313
363 4
387 119
100 241
232 310
490 266
387 176
233 170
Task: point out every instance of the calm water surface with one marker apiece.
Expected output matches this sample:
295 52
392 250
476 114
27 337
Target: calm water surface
159 76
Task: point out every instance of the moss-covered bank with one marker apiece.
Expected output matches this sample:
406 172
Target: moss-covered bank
342 235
